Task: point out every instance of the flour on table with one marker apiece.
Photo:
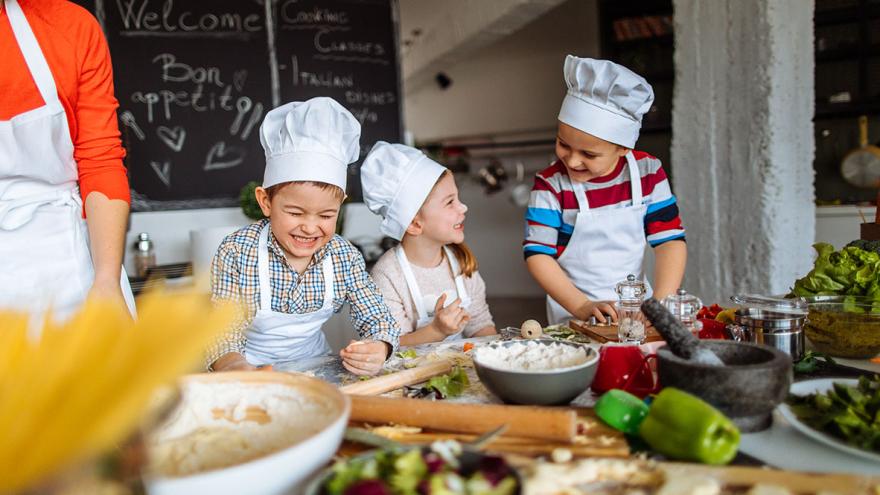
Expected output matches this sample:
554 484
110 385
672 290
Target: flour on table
531 356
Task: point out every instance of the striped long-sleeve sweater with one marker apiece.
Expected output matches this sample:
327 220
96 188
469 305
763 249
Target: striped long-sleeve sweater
553 206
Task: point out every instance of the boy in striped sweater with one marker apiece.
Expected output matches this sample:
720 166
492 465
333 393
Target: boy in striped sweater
592 212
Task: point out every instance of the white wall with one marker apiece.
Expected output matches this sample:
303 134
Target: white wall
838 225
512 85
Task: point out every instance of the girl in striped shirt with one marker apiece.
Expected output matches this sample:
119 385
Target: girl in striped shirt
592 212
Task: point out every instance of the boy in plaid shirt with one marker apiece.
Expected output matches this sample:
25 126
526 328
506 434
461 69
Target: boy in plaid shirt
290 272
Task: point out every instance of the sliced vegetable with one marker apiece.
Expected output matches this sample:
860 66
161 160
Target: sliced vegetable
849 413
449 385
407 354
712 329
422 471
726 316
682 426
621 410
709 311
810 362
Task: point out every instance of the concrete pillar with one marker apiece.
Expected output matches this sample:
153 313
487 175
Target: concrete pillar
742 145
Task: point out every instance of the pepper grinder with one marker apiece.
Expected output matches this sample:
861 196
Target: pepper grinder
630 295
145 255
684 307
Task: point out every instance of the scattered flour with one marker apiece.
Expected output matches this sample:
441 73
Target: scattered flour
222 424
531 356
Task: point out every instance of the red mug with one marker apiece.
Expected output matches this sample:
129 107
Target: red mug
626 368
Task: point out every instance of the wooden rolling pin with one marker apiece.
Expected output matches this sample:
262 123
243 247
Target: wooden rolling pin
545 423
399 379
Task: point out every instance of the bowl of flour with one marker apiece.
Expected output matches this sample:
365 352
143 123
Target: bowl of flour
245 432
536 372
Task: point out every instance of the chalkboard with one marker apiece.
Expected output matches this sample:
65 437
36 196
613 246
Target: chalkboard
194 79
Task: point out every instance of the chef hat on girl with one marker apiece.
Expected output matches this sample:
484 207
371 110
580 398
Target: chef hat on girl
312 140
396 180
605 100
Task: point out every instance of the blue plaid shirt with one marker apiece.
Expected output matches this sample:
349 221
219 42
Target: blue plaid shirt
234 277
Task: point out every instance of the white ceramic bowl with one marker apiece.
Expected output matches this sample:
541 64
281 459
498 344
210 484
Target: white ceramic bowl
275 473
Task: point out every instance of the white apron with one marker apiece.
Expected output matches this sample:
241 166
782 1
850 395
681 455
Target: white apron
44 245
605 246
425 304
273 336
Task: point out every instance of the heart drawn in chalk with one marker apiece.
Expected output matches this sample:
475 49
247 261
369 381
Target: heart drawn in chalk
238 79
173 136
163 170
220 156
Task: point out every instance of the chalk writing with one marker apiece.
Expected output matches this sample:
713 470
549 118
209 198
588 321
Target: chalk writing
128 119
221 157
139 16
173 137
163 171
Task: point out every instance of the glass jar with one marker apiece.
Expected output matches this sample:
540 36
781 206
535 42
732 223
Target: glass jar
630 322
684 307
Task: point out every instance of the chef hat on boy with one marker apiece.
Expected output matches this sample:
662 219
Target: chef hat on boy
396 180
312 140
605 100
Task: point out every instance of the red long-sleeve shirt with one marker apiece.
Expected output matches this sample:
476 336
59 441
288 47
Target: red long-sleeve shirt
77 54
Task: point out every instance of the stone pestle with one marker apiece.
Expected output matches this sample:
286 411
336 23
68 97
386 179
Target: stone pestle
681 342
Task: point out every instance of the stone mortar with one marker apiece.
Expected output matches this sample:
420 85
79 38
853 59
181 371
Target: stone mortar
754 380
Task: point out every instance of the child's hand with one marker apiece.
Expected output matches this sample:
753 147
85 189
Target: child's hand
452 318
232 361
364 357
598 309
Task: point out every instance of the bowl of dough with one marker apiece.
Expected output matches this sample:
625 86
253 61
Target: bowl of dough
245 432
536 371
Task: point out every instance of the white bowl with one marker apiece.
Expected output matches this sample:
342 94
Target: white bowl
275 473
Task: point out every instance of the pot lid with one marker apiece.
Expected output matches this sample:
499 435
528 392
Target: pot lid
793 306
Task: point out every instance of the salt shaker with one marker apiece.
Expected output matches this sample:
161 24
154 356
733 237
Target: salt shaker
145 255
685 307
630 324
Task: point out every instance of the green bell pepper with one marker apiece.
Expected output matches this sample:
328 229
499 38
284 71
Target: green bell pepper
621 410
681 426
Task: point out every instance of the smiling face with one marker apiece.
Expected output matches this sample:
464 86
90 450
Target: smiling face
442 215
302 216
585 156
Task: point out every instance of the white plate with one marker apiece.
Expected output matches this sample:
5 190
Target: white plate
822 385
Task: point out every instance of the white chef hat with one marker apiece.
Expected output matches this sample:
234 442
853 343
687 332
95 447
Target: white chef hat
312 140
605 100
396 180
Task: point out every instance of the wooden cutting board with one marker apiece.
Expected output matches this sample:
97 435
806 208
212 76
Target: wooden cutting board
593 438
606 333
733 479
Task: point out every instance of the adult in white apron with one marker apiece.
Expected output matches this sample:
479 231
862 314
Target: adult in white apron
45 261
605 246
422 302
273 336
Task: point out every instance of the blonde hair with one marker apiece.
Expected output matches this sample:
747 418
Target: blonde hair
337 191
466 259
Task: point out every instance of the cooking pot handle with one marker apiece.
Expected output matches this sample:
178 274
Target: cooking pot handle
738 333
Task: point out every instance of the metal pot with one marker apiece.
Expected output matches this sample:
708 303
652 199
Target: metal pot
783 331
